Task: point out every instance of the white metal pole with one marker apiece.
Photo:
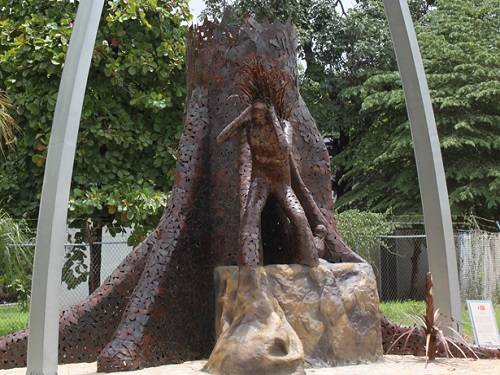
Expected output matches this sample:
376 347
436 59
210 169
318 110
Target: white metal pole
51 231
431 177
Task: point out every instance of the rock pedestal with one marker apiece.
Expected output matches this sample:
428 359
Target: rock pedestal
278 319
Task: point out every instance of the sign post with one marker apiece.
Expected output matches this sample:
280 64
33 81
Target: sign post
484 324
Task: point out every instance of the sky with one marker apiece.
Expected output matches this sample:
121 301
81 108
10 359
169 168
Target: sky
198 5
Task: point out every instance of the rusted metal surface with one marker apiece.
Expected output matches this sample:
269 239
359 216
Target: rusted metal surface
86 327
157 306
266 162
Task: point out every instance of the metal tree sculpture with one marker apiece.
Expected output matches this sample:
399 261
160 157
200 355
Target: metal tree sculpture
157 306
269 167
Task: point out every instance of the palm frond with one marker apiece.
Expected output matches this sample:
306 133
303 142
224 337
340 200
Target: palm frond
451 342
440 337
437 315
406 333
460 338
417 319
8 126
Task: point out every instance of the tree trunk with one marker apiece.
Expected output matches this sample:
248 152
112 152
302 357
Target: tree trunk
157 307
415 260
95 246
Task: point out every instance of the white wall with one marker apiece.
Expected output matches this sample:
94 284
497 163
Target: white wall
114 250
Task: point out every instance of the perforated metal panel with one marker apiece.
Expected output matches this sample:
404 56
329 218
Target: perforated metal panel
157 306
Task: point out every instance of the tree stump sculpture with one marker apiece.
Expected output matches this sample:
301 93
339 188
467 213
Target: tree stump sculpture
157 307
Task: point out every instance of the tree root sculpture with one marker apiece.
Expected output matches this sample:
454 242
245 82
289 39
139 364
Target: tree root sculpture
129 322
157 306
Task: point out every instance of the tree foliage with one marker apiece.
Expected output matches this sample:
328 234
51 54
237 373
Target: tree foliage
352 87
363 231
132 113
340 50
459 42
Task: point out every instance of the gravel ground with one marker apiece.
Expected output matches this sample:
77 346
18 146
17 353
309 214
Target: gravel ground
390 365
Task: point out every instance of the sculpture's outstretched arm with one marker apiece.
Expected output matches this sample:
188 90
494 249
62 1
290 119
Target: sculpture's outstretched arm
235 126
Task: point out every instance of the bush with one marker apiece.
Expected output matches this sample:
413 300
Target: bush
16 260
362 230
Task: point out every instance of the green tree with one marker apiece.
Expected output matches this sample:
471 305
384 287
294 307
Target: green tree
132 113
363 231
459 41
348 48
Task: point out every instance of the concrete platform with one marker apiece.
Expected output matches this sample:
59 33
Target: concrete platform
390 365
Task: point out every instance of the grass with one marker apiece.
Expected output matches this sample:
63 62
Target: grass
12 319
401 312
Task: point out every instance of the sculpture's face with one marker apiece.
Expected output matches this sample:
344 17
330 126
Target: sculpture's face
261 114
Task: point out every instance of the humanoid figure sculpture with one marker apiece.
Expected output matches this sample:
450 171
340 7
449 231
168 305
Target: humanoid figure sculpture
268 135
153 309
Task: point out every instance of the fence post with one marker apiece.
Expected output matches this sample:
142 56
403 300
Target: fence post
51 231
431 177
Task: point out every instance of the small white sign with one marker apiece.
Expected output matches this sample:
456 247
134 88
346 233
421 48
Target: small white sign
484 324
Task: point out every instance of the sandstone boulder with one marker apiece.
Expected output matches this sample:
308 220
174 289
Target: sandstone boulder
277 319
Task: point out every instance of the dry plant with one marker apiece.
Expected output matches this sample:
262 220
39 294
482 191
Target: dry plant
435 341
8 126
269 85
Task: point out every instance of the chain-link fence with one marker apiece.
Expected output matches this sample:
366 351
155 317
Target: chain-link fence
400 265
85 265
478 254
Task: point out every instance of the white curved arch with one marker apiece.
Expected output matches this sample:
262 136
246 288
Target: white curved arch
430 169
51 229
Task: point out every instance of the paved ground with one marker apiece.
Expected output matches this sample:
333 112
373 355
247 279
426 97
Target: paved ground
390 365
